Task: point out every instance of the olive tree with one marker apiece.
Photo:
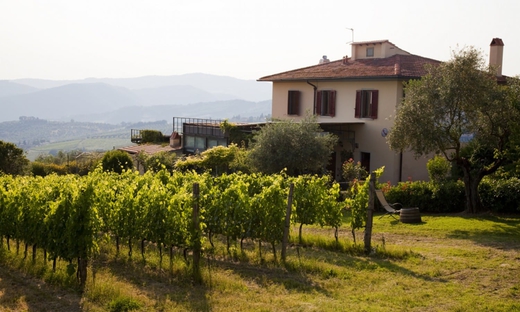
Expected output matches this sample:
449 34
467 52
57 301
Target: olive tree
299 147
13 159
460 111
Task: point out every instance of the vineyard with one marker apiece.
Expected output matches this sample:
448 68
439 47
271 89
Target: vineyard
68 217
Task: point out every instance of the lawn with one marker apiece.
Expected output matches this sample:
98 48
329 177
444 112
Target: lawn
445 263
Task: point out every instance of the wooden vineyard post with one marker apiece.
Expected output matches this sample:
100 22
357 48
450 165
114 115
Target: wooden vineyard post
196 234
287 228
370 213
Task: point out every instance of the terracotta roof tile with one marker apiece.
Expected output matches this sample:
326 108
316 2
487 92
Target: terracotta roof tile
396 66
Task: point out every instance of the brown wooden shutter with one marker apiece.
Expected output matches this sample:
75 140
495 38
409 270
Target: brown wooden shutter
332 103
293 103
375 101
318 103
296 103
357 111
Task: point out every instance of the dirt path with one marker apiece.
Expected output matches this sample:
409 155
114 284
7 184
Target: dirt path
19 292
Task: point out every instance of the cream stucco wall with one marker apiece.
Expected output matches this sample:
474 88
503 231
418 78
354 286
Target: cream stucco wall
368 135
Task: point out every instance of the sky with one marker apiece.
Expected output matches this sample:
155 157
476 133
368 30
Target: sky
246 39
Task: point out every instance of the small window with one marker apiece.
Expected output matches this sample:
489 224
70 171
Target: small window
370 52
200 143
189 141
293 103
326 103
366 104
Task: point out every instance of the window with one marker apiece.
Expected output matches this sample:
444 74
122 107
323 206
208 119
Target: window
366 104
326 103
293 103
370 52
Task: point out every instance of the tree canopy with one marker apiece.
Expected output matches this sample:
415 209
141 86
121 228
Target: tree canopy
460 111
12 159
299 147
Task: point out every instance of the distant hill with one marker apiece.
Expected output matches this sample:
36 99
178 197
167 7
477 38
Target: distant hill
178 95
213 110
9 88
66 101
249 90
96 100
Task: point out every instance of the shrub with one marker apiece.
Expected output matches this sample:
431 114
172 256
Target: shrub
353 171
502 195
116 161
438 169
429 196
153 136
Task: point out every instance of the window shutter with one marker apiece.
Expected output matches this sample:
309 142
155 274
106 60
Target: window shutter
357 111
296 103
332 103
375 100
318 103
293 103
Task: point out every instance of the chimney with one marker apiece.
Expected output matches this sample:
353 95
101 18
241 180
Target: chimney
496 52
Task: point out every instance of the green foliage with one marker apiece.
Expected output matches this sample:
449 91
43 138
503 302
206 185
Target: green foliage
438 169
218 159
429 196
43 169
353 171
358 202
297 147
153 136
116 161
13 160
235 135
123 304
159 161
457 98
501 195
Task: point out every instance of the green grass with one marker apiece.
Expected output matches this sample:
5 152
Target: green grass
445 263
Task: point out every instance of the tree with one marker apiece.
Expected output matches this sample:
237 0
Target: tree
300 147
12 159
460 111
116 161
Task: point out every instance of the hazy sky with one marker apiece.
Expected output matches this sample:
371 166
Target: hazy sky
248 39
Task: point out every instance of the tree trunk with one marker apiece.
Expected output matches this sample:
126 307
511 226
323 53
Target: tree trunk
130 248
34 253
142 250
300 234
82 270
471 182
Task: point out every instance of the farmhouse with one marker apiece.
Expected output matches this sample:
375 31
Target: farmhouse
356 98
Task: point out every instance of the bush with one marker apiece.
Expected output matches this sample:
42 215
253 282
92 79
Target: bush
501 195
353 171
153 136
438 169
429 196
116 161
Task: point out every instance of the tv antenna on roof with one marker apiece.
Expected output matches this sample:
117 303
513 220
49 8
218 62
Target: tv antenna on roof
351 29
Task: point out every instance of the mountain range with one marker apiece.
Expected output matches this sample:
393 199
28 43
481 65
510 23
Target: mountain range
149 98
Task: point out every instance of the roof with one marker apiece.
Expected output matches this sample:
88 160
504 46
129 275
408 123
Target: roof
149 149
396 66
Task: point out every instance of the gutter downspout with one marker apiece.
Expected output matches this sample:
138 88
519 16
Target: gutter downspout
401 166
314 102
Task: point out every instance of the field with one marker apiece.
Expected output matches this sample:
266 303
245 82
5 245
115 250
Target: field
445 263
